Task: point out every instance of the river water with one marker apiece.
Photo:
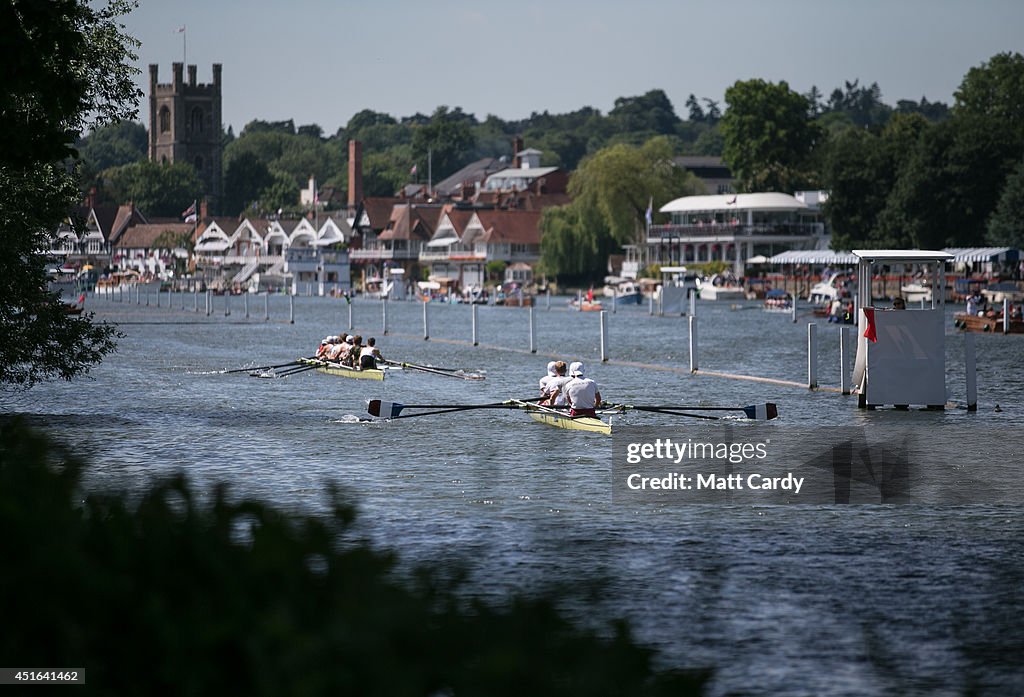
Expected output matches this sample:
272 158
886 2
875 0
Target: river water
808 598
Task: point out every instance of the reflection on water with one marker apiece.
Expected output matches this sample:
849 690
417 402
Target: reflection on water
796 599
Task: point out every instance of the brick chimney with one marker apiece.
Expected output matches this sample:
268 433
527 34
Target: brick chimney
517 147
355 173
204 209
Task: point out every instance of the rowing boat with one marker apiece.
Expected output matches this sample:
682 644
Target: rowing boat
330 368
561 419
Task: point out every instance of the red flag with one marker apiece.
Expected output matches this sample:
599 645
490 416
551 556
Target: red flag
869 333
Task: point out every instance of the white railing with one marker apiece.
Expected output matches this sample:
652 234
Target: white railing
247 271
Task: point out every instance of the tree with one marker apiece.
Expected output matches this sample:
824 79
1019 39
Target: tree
68 67
1006 226
447 140
768 136
650 114
245 177
611 192
160 190
861 169
113 145
995 89
281 194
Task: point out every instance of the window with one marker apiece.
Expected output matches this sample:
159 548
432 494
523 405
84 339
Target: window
197 120
165 119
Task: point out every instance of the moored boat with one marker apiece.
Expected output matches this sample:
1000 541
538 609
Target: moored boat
721 287
340 370
778 300
989 324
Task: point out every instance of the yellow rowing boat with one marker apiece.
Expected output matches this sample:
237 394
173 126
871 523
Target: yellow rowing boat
331 368
561 419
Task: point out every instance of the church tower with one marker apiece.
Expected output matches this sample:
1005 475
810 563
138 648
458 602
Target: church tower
185 126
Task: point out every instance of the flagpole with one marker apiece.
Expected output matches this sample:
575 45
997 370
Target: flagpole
184 45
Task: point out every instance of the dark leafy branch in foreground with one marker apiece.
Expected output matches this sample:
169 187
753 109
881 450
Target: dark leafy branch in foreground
164 595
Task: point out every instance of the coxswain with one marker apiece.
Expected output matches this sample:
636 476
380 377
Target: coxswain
370 355
556 387
581 392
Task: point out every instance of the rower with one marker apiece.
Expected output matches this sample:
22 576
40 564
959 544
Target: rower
581 392
556 387
370 355
351 358
325 345
546 379
336 349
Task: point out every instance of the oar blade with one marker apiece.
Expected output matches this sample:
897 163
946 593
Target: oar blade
762 412
386 410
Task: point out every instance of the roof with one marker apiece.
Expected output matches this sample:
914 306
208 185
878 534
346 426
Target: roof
469 175
771 201
882 256
411 222
515 227
967 254
144 236
378 210
522 173
813 256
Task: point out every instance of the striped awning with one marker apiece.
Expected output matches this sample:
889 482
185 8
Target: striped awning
814 257
969 254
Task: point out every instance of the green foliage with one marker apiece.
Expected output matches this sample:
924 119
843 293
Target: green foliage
113 145
448 141
167 595
245 178
67 67
861 105
281 194
1006 225
995 89
768 135
496 270
574 246
157 189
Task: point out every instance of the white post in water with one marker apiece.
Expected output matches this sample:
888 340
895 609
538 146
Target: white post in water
195 298
579 301
266 306
693 343
533 332
384 315
227 304
1006 315
245 302
693 302
970 371
157 296
604 335
472 307
548 294
350 314
209 302
615 299
844 359
792 308
650 310
426 325
812 355
291 308
147 295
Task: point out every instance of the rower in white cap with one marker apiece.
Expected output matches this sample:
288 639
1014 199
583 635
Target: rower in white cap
581 392
546 379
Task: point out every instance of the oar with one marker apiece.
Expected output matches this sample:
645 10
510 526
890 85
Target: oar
759 412
284 374
393 410
261 367
447 372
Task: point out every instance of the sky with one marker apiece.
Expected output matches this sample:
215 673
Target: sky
322 61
